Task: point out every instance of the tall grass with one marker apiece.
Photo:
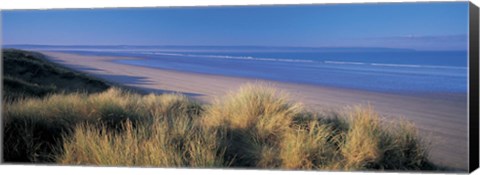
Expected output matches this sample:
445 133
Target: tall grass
257 127
154 144
34 128
311 147
255 119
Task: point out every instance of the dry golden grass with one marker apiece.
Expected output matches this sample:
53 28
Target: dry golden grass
34 127
362 142
155 144
311 147
255 119
258 106
257 126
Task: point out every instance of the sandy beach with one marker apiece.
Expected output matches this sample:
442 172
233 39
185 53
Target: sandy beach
441 118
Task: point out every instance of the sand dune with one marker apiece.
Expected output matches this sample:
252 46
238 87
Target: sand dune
442 118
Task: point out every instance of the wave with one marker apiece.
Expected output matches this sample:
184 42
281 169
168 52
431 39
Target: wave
395 65
344 62
305 61
231 57
417 66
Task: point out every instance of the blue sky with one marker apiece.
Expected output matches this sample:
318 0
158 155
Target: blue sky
422 26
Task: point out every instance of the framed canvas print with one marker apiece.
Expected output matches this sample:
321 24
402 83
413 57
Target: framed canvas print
389 87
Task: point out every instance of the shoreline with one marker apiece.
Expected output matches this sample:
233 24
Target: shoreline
442 119
113 59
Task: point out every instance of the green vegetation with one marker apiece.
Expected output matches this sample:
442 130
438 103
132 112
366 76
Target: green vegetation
255 127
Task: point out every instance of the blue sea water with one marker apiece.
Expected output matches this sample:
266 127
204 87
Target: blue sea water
397 71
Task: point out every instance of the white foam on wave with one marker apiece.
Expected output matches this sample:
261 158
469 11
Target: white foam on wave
304 61
230 57
417 66
344 62
395 65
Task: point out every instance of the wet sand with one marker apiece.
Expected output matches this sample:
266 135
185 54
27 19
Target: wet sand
441 118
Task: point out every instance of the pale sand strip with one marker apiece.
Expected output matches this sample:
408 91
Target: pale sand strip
442 119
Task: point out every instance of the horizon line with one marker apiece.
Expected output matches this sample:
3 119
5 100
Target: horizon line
254 46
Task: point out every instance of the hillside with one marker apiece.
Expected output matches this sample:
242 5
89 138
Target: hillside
28 74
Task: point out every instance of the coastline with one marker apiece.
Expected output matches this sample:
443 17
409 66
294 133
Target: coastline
442 119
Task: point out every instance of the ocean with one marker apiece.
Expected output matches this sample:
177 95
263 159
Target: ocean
379 70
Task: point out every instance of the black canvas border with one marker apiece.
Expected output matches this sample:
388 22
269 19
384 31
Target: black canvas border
473 88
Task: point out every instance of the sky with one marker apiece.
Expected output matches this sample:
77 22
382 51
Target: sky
421 26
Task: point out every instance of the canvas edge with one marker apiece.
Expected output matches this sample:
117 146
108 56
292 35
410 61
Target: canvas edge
473 52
